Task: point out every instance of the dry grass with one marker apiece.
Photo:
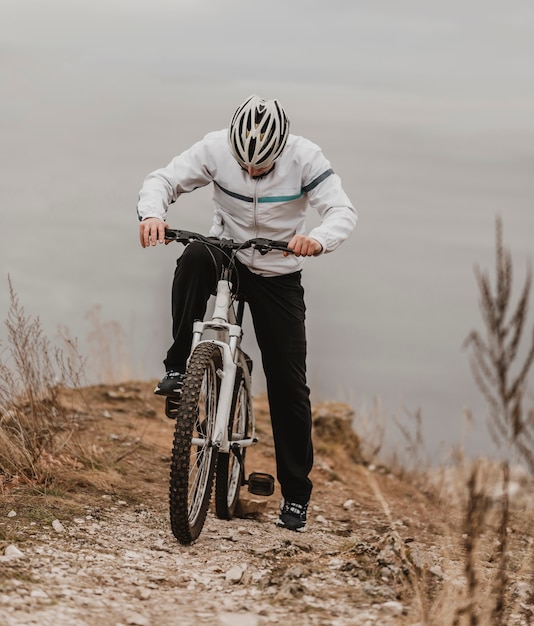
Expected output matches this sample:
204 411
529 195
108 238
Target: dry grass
496 547
42 404
32 419
495 358
483 542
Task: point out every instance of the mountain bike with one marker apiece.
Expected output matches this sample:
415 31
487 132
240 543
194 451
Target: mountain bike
214 413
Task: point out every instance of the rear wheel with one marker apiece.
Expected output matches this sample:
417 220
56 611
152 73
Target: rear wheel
229 476
193 455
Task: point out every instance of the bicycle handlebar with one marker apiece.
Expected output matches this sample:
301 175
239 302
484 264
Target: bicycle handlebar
261 244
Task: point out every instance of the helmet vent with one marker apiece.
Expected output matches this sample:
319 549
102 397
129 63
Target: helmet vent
258 132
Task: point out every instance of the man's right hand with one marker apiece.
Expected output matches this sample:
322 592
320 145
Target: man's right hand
151 231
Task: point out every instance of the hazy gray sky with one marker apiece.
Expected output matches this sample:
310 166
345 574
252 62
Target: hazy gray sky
451 49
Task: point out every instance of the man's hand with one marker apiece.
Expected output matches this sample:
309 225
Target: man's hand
151 231
304 246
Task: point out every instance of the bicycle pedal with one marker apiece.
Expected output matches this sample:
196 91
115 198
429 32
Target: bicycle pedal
171 407
261 484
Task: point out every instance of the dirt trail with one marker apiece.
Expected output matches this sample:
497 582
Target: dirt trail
95 549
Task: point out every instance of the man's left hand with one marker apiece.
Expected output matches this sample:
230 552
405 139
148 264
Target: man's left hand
304 246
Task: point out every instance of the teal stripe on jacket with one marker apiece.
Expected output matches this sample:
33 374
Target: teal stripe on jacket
281 198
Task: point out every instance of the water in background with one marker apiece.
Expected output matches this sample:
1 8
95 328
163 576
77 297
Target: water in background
387 313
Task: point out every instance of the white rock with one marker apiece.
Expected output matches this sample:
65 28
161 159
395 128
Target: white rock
58 526
12 514
392 607
437 571
348 504
321 519
523 591
143 593
130 554
235 574
12 552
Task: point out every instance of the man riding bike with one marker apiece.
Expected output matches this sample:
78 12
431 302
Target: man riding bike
264 181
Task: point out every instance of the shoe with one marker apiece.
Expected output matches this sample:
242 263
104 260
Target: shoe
170 384
292 516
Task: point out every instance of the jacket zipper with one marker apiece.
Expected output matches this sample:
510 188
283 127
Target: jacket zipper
254 218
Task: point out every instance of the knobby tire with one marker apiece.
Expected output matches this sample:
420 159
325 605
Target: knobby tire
193 466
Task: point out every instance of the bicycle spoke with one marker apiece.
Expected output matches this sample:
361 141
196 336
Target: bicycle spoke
229 476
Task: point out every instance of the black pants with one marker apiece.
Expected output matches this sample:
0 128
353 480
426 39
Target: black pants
278 313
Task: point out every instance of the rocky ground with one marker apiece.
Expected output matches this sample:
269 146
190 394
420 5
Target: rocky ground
90 545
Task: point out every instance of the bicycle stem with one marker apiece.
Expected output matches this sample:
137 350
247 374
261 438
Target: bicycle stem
224 295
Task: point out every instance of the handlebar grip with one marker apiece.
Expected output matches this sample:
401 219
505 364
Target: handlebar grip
265 245
281 245
171 234
183 236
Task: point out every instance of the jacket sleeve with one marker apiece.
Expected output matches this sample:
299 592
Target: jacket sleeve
186 172
327 197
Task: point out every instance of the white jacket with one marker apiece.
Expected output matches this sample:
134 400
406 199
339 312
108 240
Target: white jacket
272 206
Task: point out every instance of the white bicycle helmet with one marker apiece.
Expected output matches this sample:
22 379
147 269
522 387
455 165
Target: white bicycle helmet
258 132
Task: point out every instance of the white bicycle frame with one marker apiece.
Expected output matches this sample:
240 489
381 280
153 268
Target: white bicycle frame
229 335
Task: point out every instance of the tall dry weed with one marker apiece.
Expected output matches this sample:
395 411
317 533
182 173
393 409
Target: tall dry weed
494 359
32 417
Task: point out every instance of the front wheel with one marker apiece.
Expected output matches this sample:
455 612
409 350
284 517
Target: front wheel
193 455
229 476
